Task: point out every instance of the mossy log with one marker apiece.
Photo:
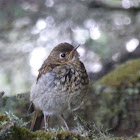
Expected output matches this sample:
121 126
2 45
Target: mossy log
128 74
10 130
118 96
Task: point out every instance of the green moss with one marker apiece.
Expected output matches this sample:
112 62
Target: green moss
24 133
10 130
16 132
3 118
126 73
21 133
119 93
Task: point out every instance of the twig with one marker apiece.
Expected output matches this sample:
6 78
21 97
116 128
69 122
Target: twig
1 93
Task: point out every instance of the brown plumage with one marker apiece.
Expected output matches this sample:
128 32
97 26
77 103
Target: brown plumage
61 84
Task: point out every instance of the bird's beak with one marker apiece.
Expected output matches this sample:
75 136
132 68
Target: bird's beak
74 49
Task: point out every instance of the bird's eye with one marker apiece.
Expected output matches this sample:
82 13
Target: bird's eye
62 55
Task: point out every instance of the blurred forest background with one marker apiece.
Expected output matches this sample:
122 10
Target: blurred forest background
108 31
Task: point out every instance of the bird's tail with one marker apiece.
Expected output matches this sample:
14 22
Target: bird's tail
37 118
37 121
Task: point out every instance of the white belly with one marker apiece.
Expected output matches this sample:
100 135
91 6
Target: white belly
52 96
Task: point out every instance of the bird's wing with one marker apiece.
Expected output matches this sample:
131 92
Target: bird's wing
30 109
38 115
36 121
45 68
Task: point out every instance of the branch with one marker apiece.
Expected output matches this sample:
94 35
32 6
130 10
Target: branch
1 93
106 6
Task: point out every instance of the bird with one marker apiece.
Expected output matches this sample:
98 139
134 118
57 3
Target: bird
61 84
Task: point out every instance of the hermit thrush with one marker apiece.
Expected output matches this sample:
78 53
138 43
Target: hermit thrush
61 84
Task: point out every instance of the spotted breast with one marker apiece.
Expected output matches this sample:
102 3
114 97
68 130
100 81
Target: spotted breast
62 88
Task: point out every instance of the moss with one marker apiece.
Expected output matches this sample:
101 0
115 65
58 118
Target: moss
24 133
10 130
3 118
119 95
16 132
21 133
126 73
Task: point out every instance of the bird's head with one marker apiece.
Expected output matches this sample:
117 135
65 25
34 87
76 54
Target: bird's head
64 53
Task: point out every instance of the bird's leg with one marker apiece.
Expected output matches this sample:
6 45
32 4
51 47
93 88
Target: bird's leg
62 117
46 121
